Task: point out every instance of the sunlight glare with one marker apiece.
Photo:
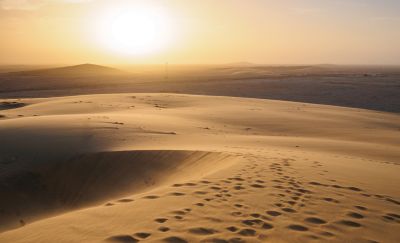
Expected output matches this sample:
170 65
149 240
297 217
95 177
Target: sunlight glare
134 29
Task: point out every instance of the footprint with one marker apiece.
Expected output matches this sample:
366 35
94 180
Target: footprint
273 213
125 200
327 234
251 222
388 218
312 237
297 227
174 239
163 229
200 192
151 197
355 215
289 210
236 240
202 231
393 201
176 194
354 189
232 229
122 239
247 232
178 212
314 183
361 208
267 226
200 204
304 191
328 199
315 220
190 184
143 235
394 215
161 220
349 223
216 188
236 214
257 186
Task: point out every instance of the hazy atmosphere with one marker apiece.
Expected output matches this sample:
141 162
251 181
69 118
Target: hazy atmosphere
204 121
195 32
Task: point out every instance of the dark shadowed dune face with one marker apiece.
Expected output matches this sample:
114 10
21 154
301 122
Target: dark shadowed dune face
374 88
55 186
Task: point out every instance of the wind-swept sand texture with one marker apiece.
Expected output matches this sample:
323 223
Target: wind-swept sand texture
183 168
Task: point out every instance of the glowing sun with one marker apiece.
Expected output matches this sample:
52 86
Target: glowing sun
134 29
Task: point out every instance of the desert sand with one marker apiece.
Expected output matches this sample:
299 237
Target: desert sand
155 167
366 87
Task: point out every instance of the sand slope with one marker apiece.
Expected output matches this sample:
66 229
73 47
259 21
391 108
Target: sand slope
182 168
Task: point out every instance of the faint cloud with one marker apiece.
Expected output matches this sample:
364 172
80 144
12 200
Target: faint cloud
32 4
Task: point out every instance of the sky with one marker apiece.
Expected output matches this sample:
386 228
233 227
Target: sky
200 31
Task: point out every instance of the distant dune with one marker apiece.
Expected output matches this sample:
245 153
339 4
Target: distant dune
78 70
369 87
79 77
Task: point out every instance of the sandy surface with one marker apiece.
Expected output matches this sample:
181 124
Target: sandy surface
185 168
366 87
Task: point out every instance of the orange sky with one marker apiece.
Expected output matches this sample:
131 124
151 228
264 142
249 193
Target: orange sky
207 31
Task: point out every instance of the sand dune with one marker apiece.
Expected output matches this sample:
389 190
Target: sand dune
82 70
185 168
90 179
368 87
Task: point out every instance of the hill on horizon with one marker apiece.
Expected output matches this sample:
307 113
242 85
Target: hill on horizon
62 78
76 70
